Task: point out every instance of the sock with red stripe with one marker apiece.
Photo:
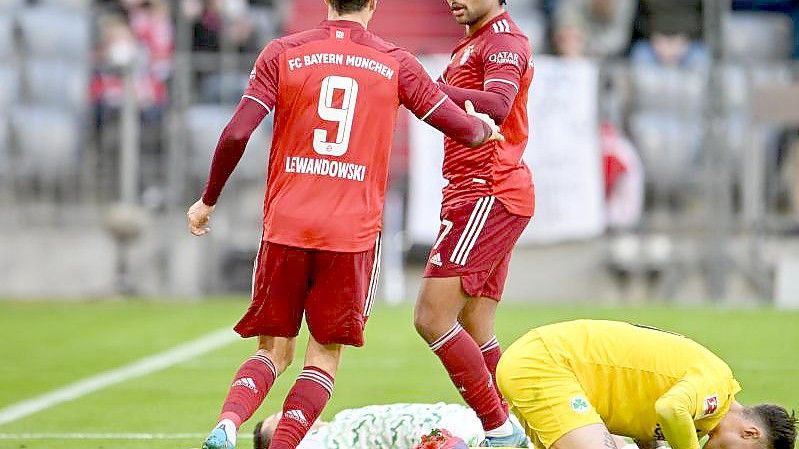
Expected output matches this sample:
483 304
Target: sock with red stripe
491 355
250 386
303 405
466 367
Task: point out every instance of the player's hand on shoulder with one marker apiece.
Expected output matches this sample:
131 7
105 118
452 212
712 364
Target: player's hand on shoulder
496 135
198 215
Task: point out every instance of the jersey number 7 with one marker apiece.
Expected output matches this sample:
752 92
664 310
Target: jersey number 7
343 116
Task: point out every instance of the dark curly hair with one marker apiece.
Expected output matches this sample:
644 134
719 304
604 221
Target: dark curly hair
780 426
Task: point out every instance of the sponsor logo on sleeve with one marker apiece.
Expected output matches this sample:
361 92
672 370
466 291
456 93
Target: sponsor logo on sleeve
505 57
252 74
711 405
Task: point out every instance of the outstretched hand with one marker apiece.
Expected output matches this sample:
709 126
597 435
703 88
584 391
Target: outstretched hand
495 134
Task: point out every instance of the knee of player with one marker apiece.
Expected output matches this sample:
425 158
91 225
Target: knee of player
426 323
281 359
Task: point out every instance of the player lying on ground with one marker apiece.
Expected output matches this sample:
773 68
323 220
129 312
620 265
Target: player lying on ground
571 384
488 202
392 426
335 91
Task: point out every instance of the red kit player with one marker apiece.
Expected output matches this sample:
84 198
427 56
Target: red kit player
335 91
488 202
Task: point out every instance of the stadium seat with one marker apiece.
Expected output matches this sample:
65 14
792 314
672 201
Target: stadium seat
736 87
10 5
5 144
668 144
759 36
7 50
205 124
9 86
223 87
57 83
80 5
55 32
47 141
665 88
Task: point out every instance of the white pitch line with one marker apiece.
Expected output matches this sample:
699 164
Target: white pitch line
101 436
142 367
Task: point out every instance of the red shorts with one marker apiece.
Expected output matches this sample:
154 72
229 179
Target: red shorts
475 244
334 290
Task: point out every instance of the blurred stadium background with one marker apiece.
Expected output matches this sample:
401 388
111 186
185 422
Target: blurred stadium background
665 147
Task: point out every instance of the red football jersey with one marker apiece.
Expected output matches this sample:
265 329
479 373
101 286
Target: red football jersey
335 91
499 52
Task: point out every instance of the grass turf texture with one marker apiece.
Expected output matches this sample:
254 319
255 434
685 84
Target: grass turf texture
48 345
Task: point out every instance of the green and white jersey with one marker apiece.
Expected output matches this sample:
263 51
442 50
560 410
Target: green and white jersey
394 426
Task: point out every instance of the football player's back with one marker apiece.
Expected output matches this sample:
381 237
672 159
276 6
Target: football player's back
335 90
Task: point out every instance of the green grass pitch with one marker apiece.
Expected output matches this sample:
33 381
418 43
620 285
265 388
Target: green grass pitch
49 345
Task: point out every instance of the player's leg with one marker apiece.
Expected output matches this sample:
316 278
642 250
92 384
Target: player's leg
336 310
255 378
275 314
479 315
309 395
592 436
478 320
469 246
547 397
436 318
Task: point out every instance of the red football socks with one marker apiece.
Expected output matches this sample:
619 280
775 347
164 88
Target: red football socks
491 354
250 386
303 405
466 367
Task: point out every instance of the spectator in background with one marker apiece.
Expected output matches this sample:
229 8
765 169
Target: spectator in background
594 28
672 32
569 37
140 34
219 23
624 178
118 50
152 25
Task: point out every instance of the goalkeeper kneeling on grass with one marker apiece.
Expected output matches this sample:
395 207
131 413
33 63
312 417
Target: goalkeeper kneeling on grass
572 384
393 426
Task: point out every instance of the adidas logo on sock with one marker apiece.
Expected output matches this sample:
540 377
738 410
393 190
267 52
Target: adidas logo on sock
436 259
246 382
297 415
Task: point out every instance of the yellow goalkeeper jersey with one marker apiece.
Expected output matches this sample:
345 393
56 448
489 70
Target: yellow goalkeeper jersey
643 382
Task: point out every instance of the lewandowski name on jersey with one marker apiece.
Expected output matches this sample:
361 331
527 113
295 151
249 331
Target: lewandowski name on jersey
324 167
340 59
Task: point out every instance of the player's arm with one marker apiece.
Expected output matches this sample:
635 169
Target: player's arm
505 61
420 94
258 100
495 101
675 411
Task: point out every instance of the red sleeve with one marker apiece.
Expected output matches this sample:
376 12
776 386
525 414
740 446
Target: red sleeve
506 58
264 76
452 121
496 100
417 91
422 96
230 148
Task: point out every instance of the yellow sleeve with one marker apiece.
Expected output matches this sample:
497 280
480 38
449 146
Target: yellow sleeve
675 412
